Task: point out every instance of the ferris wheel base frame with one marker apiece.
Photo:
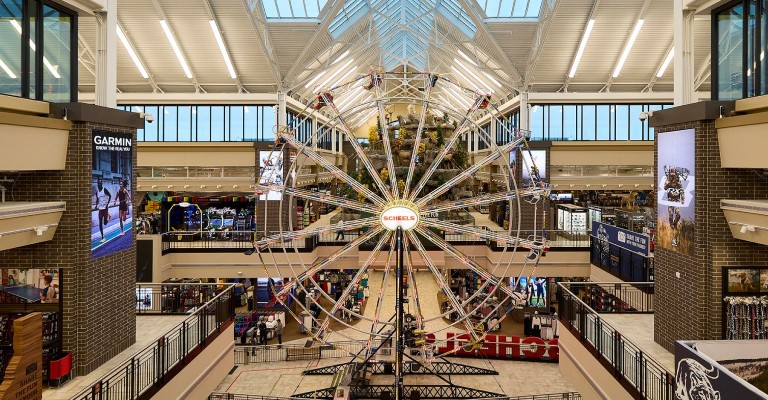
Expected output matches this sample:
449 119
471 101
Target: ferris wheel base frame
377 392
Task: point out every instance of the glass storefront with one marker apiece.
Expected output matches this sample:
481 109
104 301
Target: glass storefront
46 68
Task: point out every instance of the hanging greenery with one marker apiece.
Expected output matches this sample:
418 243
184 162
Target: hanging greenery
440 138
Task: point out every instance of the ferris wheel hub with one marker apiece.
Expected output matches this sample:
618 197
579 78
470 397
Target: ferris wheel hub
399 213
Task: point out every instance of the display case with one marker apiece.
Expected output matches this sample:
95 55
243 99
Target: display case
571 219
601 214
630 219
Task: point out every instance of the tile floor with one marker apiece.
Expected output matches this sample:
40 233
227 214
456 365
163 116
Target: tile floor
638 328
284 379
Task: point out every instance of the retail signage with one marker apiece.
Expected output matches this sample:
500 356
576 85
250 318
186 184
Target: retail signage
111 197
537 158
718 370
500 346
677 182
271 173
399 216
23 378
626 239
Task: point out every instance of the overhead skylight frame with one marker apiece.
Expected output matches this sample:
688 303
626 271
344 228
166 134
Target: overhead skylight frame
511 10
276 10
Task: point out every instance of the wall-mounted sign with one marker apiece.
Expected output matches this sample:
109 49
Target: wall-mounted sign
111 197
633 241
677 181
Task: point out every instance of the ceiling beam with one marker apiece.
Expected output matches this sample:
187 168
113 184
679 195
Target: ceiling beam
155 87
546 17
705 71
500 56
592 13
212 17
654 78
85 50
298 66
162 16
258 18
640 15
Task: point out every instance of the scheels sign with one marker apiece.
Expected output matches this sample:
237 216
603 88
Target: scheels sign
399 216
500 346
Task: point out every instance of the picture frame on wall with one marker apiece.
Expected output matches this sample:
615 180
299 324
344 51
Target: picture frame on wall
744 281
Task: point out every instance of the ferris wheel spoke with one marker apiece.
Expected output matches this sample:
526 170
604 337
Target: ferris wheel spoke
467 173
419 131
497 236
360 152
452 299
480 271
448 146
333 257
288 236
384 132
412 278
321 197
382 290
353 284
481 200
356 186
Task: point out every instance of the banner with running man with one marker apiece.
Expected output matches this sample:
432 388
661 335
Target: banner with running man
111 197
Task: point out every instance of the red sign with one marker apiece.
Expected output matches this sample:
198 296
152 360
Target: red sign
500 346
399 218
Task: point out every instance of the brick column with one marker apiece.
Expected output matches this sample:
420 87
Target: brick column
98 295
690 307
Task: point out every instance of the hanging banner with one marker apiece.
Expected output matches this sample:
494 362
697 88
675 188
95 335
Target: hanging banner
111 201
626 239
271 173
676 171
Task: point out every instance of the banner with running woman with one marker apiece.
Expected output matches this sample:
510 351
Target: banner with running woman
111 197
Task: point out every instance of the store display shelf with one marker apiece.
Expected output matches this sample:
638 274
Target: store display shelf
748 219
24 223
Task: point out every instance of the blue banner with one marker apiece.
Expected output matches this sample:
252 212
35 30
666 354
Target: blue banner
626 239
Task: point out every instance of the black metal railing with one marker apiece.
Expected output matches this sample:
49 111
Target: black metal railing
636 371
226 241
151 367
552 396
174 298
615 297
620 262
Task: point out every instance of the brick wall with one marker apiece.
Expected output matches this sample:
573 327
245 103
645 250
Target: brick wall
691 307
98 295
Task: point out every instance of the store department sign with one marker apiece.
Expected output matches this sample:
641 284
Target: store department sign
637 242
399 216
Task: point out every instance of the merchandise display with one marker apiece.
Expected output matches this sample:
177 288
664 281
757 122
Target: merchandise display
210 218
571 219
746 317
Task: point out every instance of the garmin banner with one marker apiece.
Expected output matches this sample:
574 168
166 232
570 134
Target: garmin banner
111 206
633 241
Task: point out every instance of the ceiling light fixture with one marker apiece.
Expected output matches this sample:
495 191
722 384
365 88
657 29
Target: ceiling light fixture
482 82
318 76
340 80
47 63
7 70
334 74
464 77
341 57
666 62
350 98
350 101
131 52
223 48
466 57
489 76
176 49
582 46
628 47
460 96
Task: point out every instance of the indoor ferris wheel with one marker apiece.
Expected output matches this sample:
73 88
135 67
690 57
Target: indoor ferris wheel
407 189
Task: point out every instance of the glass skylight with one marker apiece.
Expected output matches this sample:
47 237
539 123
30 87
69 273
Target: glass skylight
293 9
404 26
511 9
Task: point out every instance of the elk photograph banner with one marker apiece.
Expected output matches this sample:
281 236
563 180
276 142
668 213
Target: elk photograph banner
111 197
677 178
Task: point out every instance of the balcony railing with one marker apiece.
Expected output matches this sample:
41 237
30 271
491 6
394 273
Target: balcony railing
553 396
638 372
173 298
240 241
618 298
147 371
